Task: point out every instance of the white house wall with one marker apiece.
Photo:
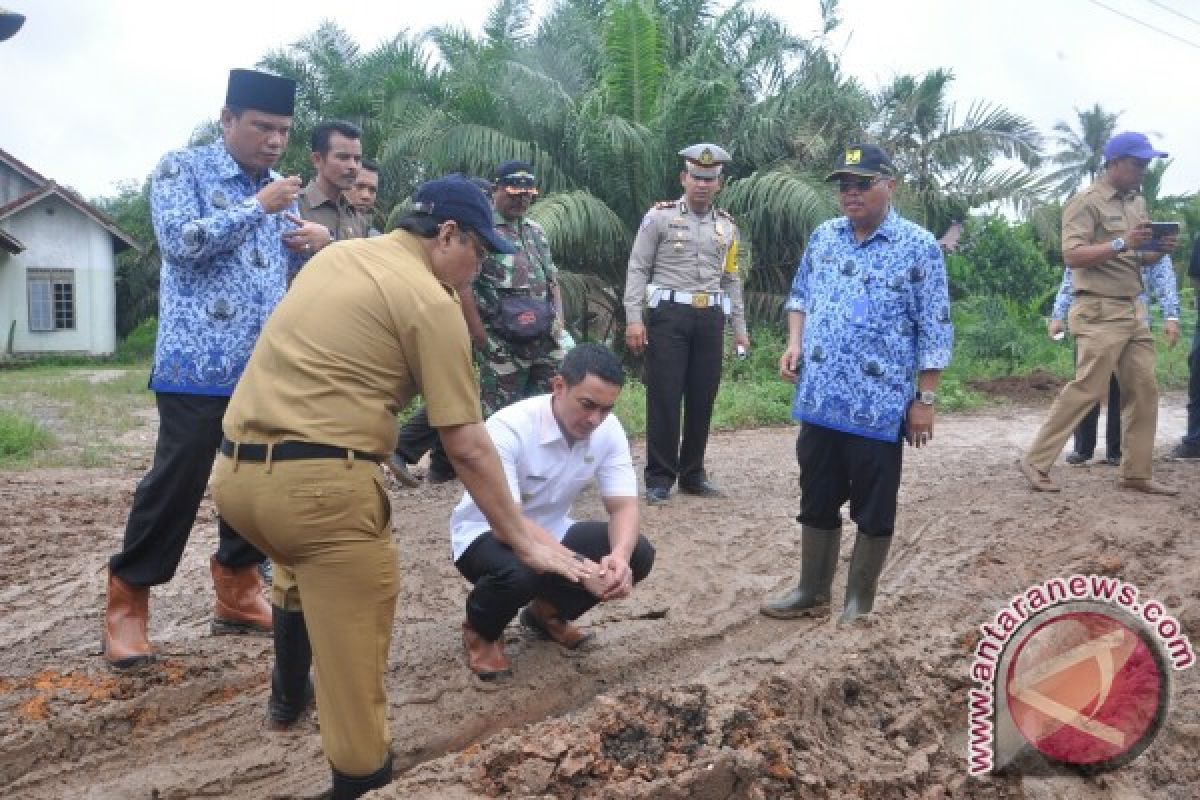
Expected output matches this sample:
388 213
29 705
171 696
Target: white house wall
13 185
60 237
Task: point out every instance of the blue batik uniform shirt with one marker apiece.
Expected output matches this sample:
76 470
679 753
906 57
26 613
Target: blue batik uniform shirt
224 269
876 314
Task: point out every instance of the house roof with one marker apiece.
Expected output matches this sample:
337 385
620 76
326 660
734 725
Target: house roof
47 187
10 243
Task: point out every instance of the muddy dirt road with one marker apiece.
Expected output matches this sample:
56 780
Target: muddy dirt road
689 693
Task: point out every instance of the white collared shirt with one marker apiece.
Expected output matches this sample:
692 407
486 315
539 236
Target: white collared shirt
545 474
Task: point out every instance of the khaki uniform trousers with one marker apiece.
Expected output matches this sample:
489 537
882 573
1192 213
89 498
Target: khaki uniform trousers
329 522
1112 335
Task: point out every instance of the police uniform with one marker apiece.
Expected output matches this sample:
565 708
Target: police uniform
683 272
349 346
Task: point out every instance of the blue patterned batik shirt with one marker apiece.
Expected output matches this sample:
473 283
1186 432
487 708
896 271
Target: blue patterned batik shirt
876 314
1159 279
224 269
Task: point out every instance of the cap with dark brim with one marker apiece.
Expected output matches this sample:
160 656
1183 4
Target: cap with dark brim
10 23
261 91
457 198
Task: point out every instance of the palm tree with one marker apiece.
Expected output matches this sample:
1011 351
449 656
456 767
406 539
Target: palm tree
950 165
1081 151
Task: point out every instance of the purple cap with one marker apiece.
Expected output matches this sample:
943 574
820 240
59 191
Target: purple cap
1131 144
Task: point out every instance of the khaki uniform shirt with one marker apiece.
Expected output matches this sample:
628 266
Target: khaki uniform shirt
342 219
677 249
1100 214
364 327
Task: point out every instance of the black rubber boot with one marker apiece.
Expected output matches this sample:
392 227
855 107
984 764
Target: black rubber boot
348 788
291 688
865 566
818 561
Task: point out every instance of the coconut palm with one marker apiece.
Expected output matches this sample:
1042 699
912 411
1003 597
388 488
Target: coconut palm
1081 151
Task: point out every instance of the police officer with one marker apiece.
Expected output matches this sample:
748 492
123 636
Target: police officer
683 270
367 325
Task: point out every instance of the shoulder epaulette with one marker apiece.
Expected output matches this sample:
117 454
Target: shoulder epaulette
664 204
723 213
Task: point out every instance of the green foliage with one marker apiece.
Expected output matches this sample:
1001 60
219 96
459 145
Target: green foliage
136 269
138 346
21 437
996 257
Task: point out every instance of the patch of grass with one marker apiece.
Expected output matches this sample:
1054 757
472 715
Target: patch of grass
86 409
21 437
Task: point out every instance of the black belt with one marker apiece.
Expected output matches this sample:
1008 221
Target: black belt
293 451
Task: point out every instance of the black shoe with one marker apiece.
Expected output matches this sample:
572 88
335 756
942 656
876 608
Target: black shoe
346 787
657 496
1113 461
1077 459
701 488
1186 452
437 476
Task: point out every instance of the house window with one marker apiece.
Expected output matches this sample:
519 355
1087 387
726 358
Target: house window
51 299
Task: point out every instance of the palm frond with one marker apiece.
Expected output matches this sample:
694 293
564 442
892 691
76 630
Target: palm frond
777 210
636 68
585 235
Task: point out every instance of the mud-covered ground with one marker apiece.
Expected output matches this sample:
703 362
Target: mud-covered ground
689 693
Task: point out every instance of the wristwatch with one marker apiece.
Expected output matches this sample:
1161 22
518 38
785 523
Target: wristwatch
1118 245
926 398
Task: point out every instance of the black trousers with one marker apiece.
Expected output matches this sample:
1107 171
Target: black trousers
168 497
1192 437
416 437
836 467
503 584
683 363
1085 433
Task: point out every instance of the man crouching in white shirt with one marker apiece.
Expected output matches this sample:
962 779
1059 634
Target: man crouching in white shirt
552 446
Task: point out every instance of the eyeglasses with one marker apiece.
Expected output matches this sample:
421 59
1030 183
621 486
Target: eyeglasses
860 184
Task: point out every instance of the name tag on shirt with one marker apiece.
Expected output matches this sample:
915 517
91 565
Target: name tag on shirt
860 310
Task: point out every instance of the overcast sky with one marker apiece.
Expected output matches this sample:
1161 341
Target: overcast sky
93 93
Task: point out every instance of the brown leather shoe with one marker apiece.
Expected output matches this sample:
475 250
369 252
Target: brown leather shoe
1038 481
126 615
542 617
240 606
486 659
1147 485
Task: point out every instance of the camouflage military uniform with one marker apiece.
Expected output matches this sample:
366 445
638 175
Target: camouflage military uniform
509 370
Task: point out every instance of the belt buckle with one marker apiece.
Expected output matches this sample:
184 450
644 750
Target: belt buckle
700 300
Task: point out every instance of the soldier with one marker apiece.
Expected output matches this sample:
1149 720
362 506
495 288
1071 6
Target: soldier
519 308
684 270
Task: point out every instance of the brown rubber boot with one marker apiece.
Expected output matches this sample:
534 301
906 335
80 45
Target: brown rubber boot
126 616
240 606
486 659
542 617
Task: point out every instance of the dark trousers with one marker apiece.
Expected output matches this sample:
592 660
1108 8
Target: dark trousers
503 584
416 437
1192 437
836 467
683 363
168 497
1085 433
